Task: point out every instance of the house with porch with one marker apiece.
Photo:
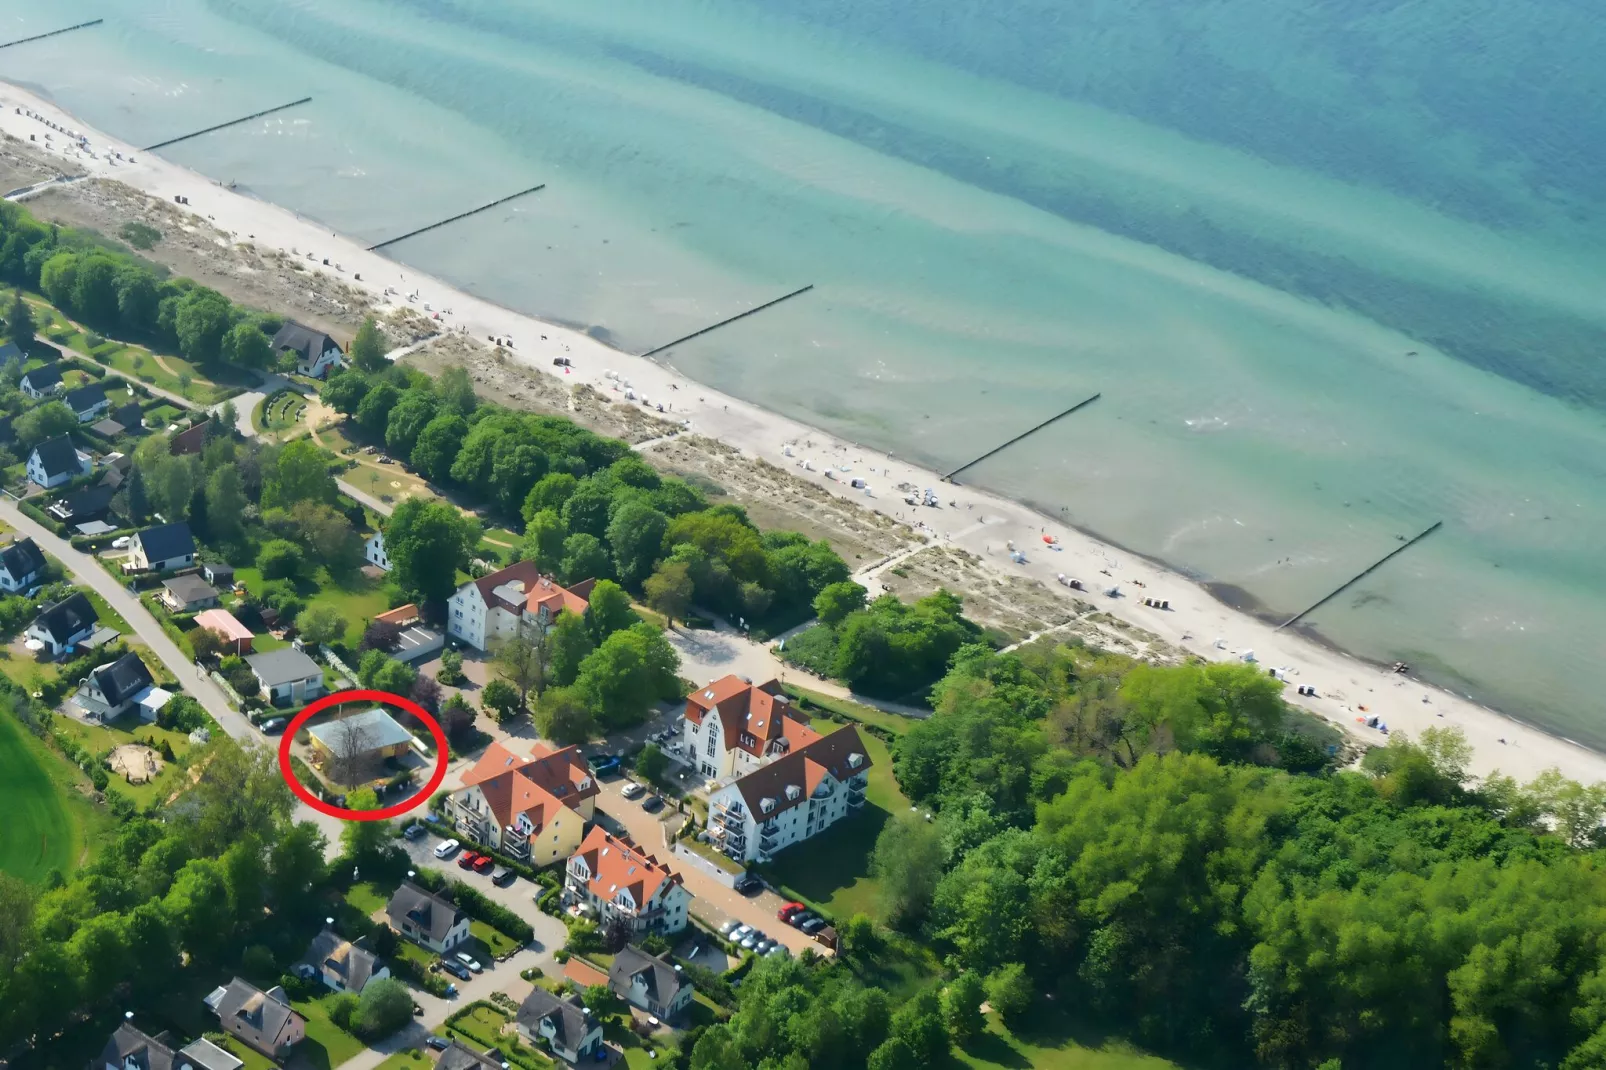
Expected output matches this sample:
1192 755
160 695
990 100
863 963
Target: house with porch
62 625
41 383
342 965
426 918
560 1024
88 402
533 809
614 878
315 352
649 983
264 1021
131 1049
111 690
188 593
287 676
794 797
161 549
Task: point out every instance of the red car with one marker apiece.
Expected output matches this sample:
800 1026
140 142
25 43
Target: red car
467 860
786 912
484 864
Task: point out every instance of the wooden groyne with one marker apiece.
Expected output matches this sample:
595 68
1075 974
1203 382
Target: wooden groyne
231 122
453 219
1358 577
949 478
728 322
53 33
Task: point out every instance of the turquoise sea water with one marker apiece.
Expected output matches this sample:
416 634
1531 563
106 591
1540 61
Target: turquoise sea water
1337 269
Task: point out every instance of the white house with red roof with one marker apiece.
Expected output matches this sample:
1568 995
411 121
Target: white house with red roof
617 879
494 607
791 798
734 726
534 809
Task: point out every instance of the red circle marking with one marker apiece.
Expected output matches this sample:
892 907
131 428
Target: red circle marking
384 698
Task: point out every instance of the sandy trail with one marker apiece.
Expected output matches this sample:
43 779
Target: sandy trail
981 524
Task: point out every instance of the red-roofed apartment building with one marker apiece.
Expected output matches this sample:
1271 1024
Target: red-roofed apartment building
618 880
493 608
534 809
733 726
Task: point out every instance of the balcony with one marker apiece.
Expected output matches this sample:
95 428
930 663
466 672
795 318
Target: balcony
855 795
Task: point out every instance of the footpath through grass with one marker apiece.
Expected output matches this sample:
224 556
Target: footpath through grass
47 821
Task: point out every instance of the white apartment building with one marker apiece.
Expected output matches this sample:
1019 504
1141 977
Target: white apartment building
734 726
798 795
617 879
492 609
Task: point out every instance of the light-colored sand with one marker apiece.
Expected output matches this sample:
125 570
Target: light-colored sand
968 518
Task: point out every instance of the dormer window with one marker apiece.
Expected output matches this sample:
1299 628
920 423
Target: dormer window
855 760
766 804
793 791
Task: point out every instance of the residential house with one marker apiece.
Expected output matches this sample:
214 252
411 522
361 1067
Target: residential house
117 468
130 415
88 402
562 1025
616 879
43 382
414 642
111 690
224 623
219 576
495 607
534 809
130 1049
191 440
374 551
343 965
263 1020
56 461
362 739
83 506
649 983
107 428
188 593
288 677
10 352
459 1056
426 919
161 549
22 565
62 625
791 798
734 726
316 353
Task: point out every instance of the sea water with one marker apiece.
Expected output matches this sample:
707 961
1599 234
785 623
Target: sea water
1337 270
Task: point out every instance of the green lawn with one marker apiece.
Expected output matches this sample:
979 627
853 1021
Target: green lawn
130 359
46 819
495 943
357 599
327 1045
411 1059
481 1029
130 729
253 1059
107 615
852 710
1049 1044
367 898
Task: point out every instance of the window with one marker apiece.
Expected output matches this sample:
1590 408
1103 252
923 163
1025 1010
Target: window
709 749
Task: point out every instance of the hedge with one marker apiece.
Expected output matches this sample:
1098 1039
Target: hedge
475 904
38 515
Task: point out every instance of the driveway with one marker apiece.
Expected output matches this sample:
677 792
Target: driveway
245 404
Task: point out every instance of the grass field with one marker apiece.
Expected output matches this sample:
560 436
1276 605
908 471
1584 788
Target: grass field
357 600
47 822
130 729
170 373
327 1045
1051 1044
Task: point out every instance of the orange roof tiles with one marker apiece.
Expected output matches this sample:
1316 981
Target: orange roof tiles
616 863
534 786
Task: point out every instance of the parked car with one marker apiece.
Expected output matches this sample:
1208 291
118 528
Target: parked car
273 725
456 969
728 926
446 849
467 859
451 991
748 884
786 912
484 864
501 876
652 803
740 933
121 542
812 926
470 961
605 764
801 918
413 832
749 942
777 952
438 1043
763 946
631 790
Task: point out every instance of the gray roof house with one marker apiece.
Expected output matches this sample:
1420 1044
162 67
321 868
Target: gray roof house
315 351
61 624
130 1049
88 402
343 965
41 382
263 1020
649 982
56 461
187 593
21 565
426 918
567 1029
287 675
159 549
459 1056
110 690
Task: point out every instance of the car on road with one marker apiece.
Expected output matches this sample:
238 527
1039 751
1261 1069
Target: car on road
801 918
501 876
470 961
652 803
631 789
413 832
467 859
456 969
786 912
273 725
484 864
438 1043
748 884
446 849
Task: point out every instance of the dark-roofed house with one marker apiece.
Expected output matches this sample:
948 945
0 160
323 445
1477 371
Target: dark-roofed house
62 624
343 965
22 564
56 461
88 402
426 918
459 1056
263 1020
42 382
188 593
11 351
131 1049
315 351
111 690
82 506
649 982
288 677
160 549
795 796
562 1025
130 415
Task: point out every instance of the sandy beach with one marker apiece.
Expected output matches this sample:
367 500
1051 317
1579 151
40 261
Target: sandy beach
1346 689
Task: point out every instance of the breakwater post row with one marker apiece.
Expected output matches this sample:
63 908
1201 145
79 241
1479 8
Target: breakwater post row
453 219
231 122
53 33
726 322
949 478
1358 577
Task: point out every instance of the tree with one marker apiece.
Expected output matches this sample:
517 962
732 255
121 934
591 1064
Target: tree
451 670
427 542
583 559
299 473
381 672
636 534
320 625
857 936
408 418
549 494
426 692
651 762
568 642
328 536
908 859
961 1007
350 761
200 321
384 1007
45 422
19 321
438 444
833 604
919 1024
457 718
669 590
345 390
456 391
295 864
544 534
608 610
280 559
368 348
894 1054
501 698
561 715
1009 990
207 643
599 999
380 635
225 503
627 674
522 662
373 412
246 346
